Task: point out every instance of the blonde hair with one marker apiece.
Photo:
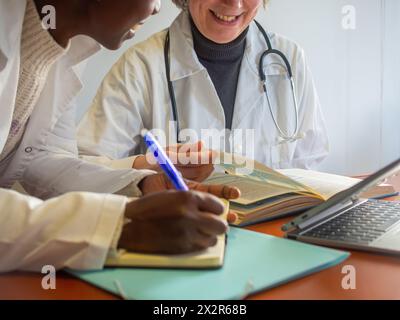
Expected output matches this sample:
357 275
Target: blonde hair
181 4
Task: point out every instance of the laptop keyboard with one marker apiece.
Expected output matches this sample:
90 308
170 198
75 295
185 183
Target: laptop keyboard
362 224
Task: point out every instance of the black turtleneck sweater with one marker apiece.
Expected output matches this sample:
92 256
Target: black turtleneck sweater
222 62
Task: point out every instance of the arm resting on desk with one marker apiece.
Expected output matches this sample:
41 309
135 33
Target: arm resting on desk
76 230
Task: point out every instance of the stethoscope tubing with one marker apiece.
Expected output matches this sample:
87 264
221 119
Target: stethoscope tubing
270 51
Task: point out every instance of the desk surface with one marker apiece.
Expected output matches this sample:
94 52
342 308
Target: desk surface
377 277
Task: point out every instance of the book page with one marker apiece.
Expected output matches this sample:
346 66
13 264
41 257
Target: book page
265 174
252 190
328 184
324 183
268 175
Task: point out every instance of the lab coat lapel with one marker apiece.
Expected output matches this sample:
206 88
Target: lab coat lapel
186 65
68 72
184 61
11 19
249 93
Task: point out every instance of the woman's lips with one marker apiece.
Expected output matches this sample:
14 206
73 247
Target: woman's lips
225 19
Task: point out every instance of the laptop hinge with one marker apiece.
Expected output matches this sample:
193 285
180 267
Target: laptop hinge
328 213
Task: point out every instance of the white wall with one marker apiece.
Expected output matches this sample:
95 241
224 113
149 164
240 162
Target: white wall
357 73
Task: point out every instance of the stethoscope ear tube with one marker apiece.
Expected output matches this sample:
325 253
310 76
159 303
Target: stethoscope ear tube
170 84
270 51
281 55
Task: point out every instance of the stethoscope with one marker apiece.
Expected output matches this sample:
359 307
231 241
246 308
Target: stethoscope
284 137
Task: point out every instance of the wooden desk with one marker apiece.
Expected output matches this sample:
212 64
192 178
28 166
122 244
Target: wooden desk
377 277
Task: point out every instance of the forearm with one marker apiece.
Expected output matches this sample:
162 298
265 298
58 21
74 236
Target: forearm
74 231
51 174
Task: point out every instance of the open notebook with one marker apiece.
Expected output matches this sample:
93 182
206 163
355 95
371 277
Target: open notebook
212 257
268 194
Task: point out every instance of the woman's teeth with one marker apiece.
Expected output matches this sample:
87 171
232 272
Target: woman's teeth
225 18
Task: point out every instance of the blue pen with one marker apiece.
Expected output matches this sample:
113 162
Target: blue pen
163 161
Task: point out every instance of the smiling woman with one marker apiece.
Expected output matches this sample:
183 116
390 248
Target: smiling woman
218 21
215 69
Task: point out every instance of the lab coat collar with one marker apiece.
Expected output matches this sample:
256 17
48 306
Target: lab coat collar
184 61
80 49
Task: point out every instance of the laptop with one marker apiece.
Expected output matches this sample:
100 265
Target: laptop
348 221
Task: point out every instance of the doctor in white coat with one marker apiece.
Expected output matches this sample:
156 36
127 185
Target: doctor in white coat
38 83
214 54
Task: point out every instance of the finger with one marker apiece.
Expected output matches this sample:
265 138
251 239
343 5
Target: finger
205 173
202 241
185 147
200 166
200 145
232 217
193 158
210 224
208 203
172 148
218 190
156 183
198 173
191 154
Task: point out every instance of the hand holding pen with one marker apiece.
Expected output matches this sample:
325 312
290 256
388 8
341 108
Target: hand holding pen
173 180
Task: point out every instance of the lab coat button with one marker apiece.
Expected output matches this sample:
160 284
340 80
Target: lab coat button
28 149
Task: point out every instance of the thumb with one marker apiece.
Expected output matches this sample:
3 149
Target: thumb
200 145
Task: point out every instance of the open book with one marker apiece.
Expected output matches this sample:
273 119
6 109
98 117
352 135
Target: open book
212 257
329 184
268 194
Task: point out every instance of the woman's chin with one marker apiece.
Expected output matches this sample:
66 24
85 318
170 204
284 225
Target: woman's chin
222 38
222 33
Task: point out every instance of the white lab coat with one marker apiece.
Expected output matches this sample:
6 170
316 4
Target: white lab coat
74 230
134 95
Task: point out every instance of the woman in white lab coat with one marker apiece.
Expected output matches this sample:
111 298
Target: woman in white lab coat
38 81
214 89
